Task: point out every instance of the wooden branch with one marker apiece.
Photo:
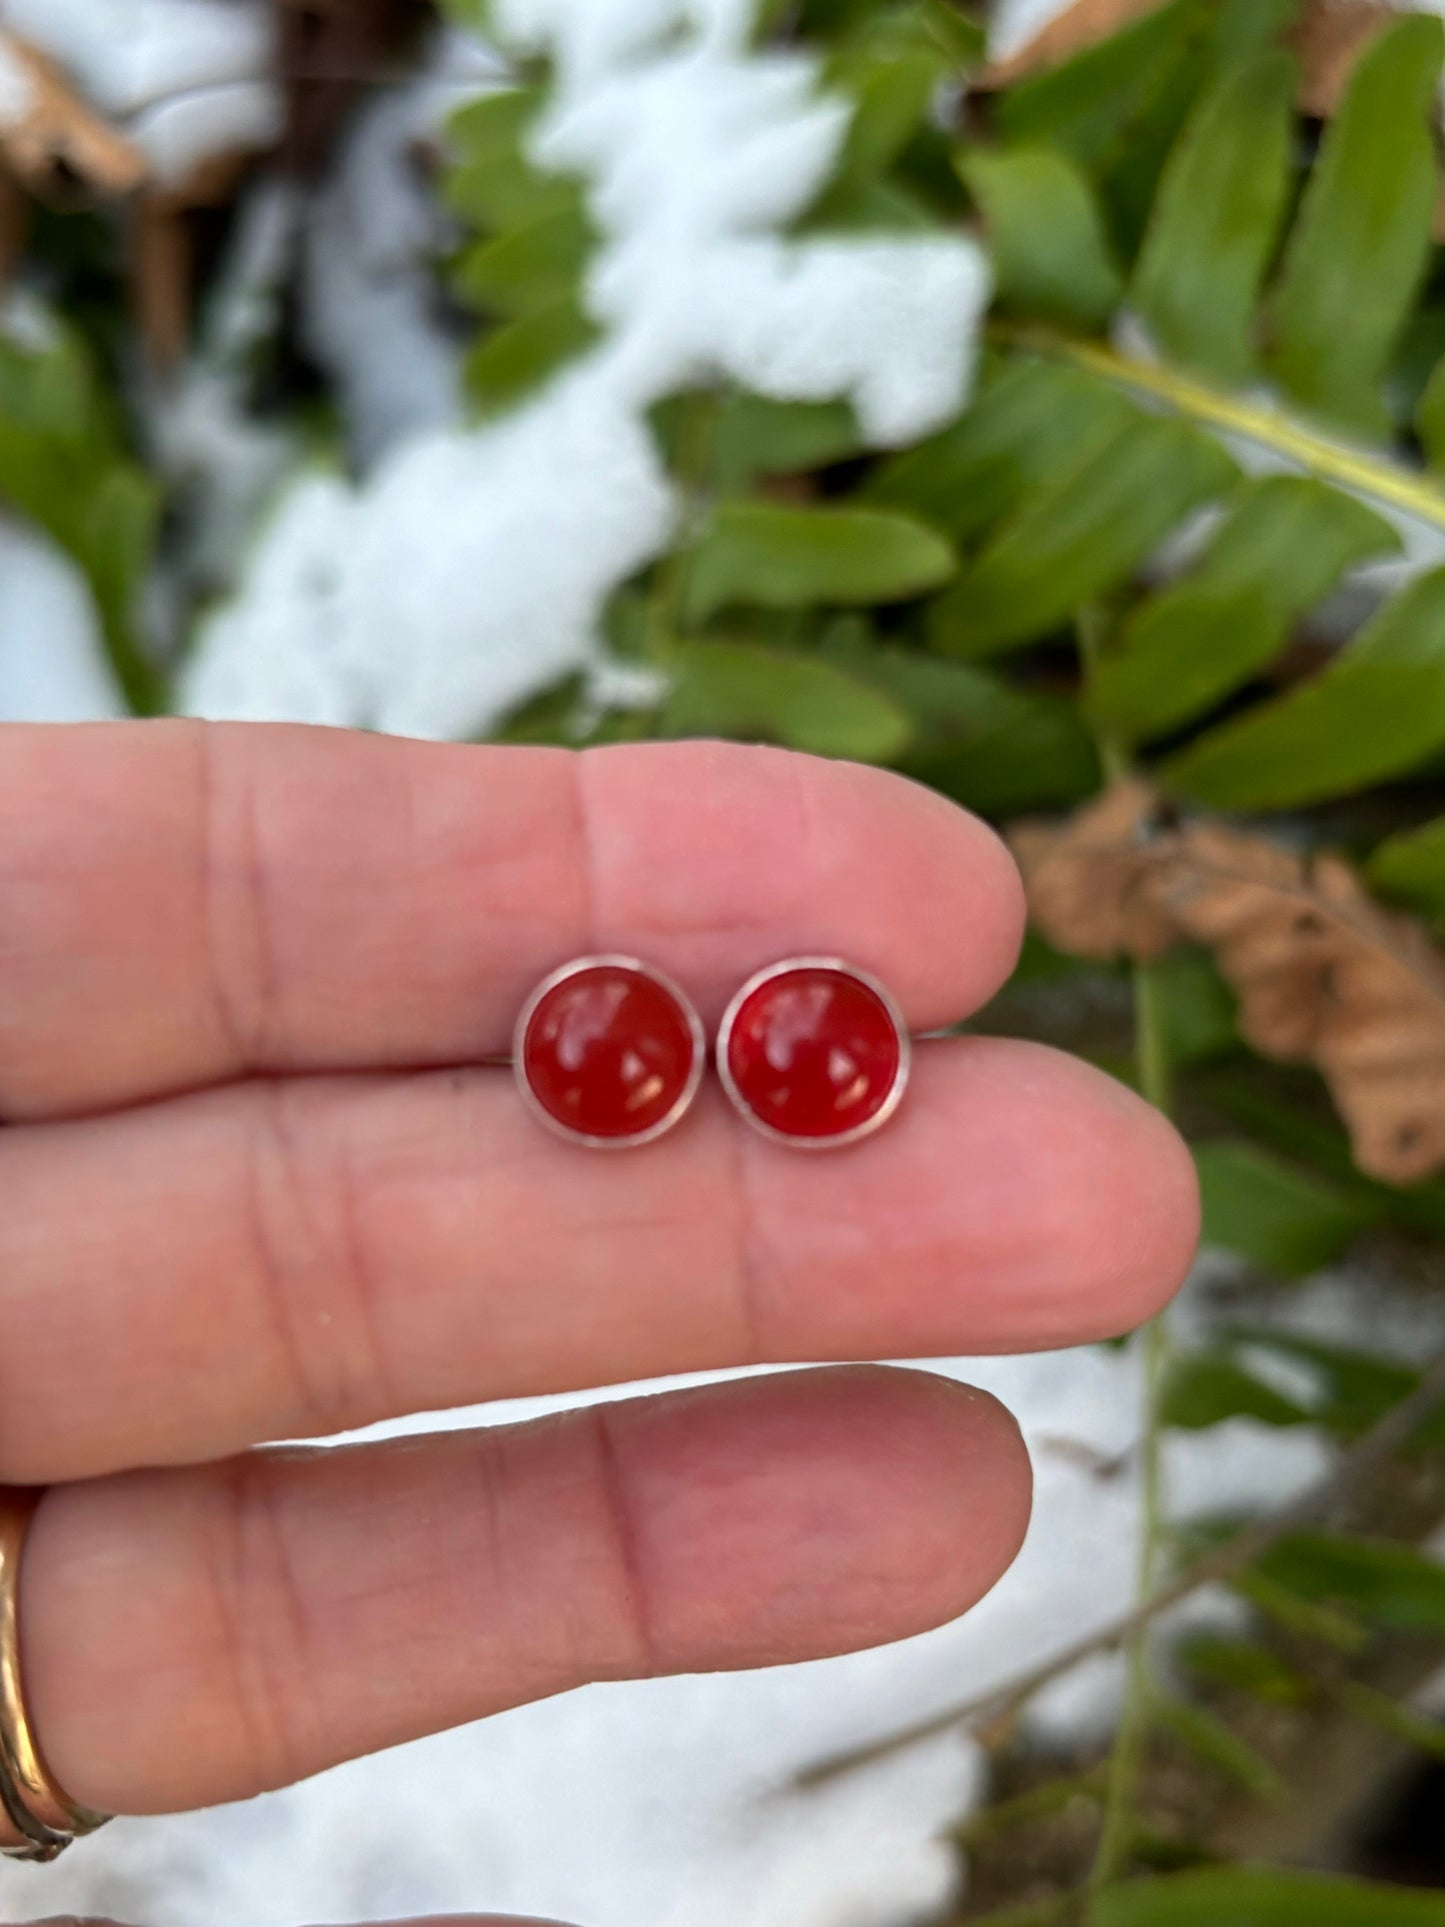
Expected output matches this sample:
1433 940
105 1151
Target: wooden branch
60 130
1358 1467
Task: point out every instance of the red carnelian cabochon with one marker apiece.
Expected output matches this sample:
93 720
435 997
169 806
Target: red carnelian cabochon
814 1053
609 1052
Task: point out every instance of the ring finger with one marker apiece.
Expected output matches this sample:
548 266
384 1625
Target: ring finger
200 1635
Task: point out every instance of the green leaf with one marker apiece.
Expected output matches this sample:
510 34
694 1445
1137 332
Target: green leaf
1218 1745
116 538
514 361
1303 1618
1029 420
1356 1389
798 558
1430 417
494 182
1205 1389
534 267
1387 1583
1286 543
62 467
1363 239
1087 105
50 390
1262 1897
1401 1722
1244 1666
493 123
959 37
1323 1146
1216 219
1272 1213
1198 1007
1051 256
753 436
1411 867
1241 29
893 96
866 205
1082 534
994 748
553 719
745 690
1377 711
1218 34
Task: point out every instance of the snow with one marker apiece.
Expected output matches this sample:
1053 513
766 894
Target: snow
476 564
462 571
1014 23
185 79
129 53
15 89
223 465
666 1801
367 300
179 135
53 667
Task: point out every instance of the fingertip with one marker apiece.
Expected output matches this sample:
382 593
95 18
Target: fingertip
955 889
768 847
1141 1218
819 1512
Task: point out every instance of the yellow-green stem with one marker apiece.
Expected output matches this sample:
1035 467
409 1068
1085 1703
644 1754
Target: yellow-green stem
1373 476
1131 1743
1151 1048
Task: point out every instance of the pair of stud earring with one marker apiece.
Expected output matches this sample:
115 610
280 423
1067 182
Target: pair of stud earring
610 1053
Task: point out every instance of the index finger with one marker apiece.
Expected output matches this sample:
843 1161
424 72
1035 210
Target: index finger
184 904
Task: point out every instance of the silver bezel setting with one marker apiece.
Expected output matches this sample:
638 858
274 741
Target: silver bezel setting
608 961
845 1138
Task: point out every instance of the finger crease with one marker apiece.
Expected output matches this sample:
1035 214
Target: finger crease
275 1194
238 917
751 1263
633 1587
270 1649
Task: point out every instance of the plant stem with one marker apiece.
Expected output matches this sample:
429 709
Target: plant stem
1220 1566
141 682
1374 476
1151 1051
1130 1746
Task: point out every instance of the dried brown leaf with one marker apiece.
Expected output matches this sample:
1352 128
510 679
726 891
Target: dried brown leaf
60 130
1091 881
1323 974
1329 38
162 262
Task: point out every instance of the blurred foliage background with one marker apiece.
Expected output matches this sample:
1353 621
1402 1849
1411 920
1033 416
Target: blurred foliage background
1166 601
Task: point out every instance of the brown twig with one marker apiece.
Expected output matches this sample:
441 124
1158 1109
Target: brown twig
1355 1470
58 128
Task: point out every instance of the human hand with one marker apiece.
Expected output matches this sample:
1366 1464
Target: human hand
247 1194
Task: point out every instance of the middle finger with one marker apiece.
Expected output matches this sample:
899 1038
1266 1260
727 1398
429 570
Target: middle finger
299 1258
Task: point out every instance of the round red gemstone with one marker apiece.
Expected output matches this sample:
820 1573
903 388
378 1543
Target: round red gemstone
610 1052
814 1053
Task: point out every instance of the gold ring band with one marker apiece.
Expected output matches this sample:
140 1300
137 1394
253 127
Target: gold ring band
38 1820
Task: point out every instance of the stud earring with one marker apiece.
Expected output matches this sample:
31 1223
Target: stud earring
608 1053
814 1053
